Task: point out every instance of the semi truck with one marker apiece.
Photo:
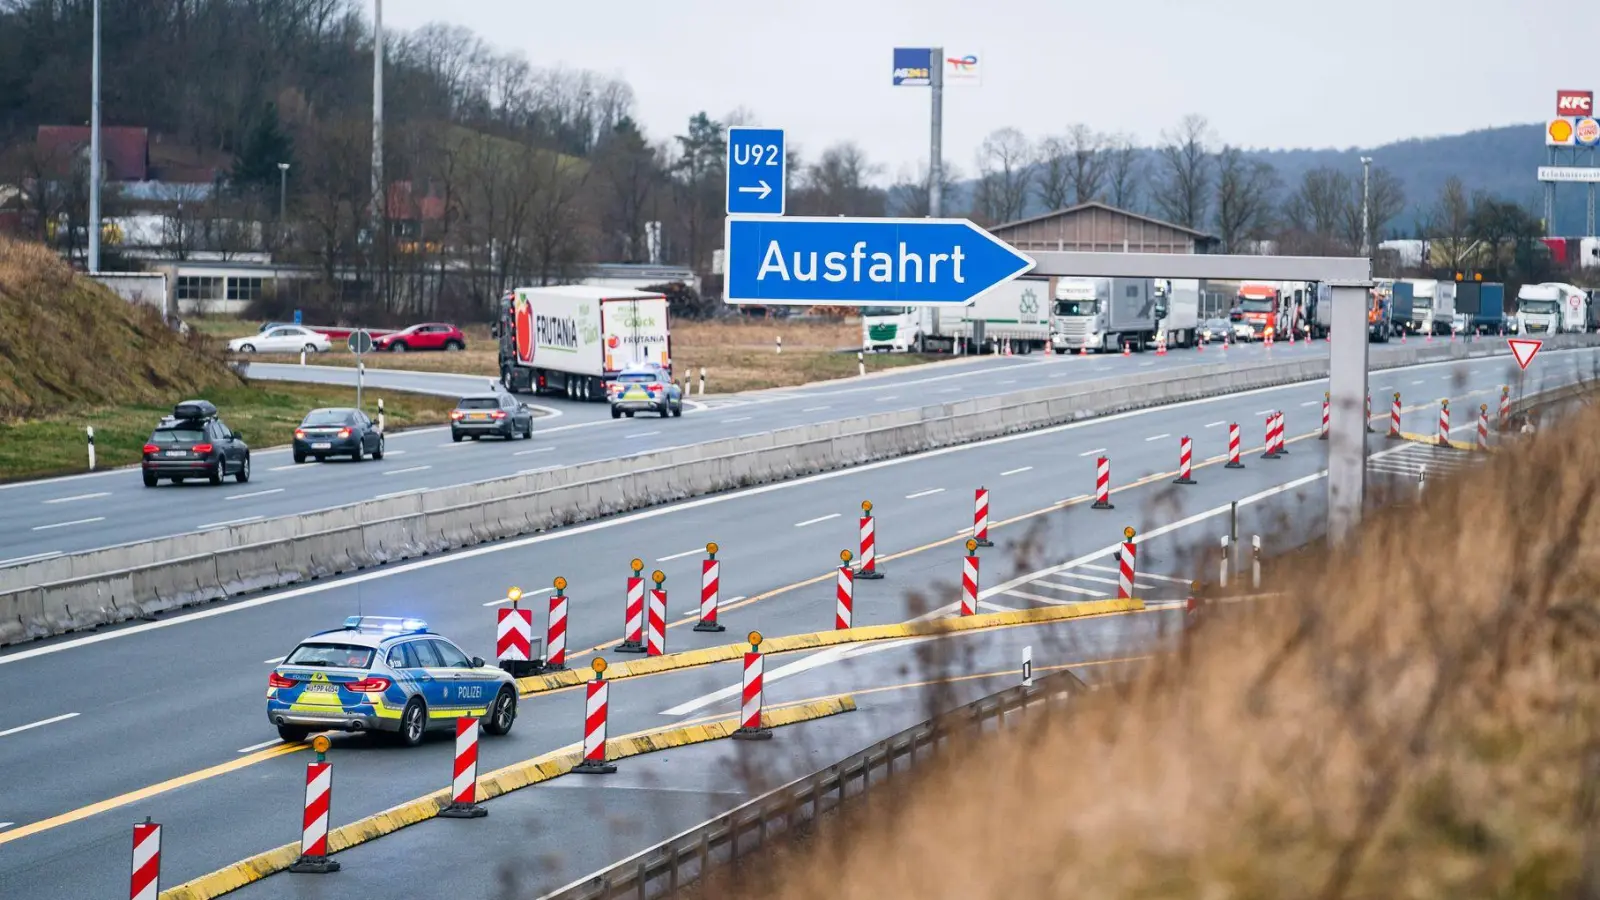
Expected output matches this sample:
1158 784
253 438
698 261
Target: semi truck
1260 304
1433 306
1104 314
574 339
1389 304
1552 308
1480 308
1015 312
1178 305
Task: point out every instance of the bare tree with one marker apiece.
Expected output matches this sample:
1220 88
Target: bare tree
1387 200
1053 181
1087 163
1005 165
1245 191
1315 212
838 184
1124 170
909 197
1183 190
1448 227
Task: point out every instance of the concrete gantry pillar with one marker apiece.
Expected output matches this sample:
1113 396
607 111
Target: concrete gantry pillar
1347 384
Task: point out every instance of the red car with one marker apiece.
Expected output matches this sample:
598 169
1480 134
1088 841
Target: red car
427 336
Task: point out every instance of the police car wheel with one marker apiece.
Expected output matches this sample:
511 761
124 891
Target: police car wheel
293 734
413 723
503 713
616 413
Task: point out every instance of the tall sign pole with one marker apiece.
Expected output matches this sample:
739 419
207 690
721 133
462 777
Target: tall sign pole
378 193
94 149
936 139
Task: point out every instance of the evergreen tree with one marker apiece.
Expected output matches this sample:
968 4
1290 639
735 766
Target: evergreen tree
256 166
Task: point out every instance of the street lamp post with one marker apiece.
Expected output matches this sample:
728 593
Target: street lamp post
1366 199
283 189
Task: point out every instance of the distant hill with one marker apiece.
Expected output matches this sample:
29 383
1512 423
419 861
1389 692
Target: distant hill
1501 161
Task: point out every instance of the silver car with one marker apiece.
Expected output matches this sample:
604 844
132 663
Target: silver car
379 673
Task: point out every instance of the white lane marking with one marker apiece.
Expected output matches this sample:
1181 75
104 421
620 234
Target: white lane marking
1143 364
526 594
1060 374
924 493
1215 424
534 450
1311 403
1419 381
1264 412
984 604
78 497
1183 581
888 398
32 557
536 471
5 825
647 514
813 409
50 721
1016 471
456 444
399 494
814 661
691 613
1070 588
640 434
949 390
253 494
66 524
404 471
275 660
388 453
1094 578
227 522
261 746
816 520
1009 381
1041 599
680 555
1093 452
1157 437
737 419
292 466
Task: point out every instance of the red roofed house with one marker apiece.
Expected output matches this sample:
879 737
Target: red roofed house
125 151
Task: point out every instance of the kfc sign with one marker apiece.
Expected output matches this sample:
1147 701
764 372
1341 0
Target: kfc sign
1574 103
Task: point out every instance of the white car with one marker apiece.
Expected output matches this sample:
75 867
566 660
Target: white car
282 339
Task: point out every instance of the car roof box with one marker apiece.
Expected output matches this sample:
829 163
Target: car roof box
195 409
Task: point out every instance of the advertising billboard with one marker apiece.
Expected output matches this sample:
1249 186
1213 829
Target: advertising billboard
1558 133
911 67
962 68
1569 173
1574 103
1586 132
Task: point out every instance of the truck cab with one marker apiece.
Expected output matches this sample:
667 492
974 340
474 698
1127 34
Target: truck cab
1077 316
1259 304
898 329
1539 310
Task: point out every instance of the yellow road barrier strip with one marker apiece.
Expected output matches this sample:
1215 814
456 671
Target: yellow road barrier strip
1469 446
535 684
497 783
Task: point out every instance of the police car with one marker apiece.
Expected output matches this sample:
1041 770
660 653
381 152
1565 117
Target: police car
379 673
644 388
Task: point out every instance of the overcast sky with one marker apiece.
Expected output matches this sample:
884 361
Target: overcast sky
1267 73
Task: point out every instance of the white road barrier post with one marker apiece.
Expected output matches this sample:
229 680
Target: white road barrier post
313 857
702 381
381 421
780 343
464 779
1255 561
1027 666
594 724
146 881
861 362
1223 567
710 591
89 430
750 701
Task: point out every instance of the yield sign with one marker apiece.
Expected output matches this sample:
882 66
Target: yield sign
1524 350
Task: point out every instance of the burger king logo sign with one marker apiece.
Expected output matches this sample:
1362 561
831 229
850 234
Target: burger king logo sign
1558 133
1587 132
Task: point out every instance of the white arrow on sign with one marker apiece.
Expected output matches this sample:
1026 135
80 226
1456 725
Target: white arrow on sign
762 191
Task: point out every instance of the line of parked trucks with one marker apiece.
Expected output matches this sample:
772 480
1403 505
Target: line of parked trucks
1110 314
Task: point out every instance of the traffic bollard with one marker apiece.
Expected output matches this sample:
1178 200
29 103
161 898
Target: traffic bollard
597 699
750 701
633 612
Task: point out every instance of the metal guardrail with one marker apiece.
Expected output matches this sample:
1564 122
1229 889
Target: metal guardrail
662 870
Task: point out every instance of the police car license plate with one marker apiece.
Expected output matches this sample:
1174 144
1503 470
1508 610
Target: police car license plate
320 687
322 445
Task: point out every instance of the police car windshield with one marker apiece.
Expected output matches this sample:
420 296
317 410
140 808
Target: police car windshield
179 434
638 377
343 656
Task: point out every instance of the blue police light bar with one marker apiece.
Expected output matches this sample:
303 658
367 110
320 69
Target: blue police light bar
385 623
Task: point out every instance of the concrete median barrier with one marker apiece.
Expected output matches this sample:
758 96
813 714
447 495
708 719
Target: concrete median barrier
100 587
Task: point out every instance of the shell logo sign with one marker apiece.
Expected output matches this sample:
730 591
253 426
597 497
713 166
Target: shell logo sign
1558 133
1587 132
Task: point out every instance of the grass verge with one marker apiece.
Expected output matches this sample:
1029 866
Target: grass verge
738 354
264 412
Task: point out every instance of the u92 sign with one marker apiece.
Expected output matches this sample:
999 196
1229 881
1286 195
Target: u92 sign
756 172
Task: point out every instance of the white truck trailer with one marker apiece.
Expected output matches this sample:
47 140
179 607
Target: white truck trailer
1552 308
573 339
1016 311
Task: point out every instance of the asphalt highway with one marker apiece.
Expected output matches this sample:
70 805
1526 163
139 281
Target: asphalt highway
102 745
64 515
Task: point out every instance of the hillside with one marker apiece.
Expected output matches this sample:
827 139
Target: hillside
65 341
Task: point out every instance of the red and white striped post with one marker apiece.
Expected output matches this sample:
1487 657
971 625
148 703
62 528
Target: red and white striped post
1444 422
1394 417
464 782
969 579
1368 420
1505 406
655 634
980 517
314 823
513 637
633 612
1283 445
1327 419
844 593
750 702
1483 426
710 591
1126 565
1185 461
594 724
146 879
1102 484
1233 447
555 645
1272 437
869 543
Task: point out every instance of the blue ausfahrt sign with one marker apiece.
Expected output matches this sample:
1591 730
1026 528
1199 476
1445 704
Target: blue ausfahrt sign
864 262
757 170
